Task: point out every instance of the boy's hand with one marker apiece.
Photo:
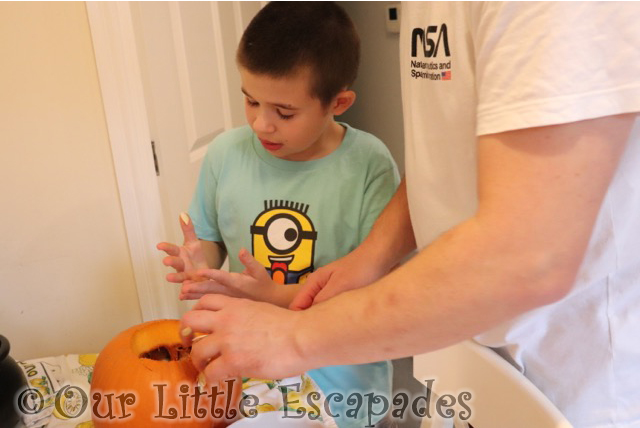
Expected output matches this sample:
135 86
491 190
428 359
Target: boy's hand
245 338
254 283
185 258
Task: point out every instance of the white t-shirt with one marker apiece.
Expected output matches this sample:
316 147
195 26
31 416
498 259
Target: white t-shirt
471 69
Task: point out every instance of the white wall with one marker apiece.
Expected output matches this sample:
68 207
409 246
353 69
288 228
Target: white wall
378 107
66 275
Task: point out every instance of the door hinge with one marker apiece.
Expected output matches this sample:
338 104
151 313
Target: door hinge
155 158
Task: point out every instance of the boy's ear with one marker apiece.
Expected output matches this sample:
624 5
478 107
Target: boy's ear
343 101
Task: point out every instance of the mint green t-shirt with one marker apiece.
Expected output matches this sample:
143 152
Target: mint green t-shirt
295 217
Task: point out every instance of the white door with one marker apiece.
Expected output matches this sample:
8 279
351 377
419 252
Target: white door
192 90
168 76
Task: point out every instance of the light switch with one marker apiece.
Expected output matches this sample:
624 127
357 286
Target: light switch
393 17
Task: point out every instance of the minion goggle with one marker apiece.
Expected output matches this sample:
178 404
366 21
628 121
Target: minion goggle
283 233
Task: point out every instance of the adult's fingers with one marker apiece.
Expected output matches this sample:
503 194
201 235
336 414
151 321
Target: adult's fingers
323 294
218 369
305 297
204 351
196 321
213 302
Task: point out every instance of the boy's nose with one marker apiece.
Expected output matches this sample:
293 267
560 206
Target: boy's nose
261 123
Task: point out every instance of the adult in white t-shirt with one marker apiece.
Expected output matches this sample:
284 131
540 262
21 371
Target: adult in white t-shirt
522 195
514 146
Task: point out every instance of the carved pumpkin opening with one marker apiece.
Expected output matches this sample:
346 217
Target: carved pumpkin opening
175 352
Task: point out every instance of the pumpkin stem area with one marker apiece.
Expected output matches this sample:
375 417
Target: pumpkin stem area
174 352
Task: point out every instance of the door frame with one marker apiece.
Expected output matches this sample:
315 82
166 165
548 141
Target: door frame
127 121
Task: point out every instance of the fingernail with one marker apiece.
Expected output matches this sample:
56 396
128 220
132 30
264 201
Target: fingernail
186 331
202 381
185 218
199 337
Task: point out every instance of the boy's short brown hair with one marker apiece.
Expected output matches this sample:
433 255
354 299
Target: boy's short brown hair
284 37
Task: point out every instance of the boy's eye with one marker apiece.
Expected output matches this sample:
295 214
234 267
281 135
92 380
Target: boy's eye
284 116
253 103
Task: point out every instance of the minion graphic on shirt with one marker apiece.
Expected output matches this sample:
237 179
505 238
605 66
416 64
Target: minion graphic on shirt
283 241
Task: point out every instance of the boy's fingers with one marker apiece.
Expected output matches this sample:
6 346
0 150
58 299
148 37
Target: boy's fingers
252 266
190 296
202 287
188 230
170 249
216 275
175 262
176 277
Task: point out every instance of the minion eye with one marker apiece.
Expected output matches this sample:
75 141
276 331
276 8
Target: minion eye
282 234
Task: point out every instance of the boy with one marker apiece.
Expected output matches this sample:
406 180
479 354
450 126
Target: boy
295 186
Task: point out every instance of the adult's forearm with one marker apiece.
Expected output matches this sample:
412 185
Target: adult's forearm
448 292
522 249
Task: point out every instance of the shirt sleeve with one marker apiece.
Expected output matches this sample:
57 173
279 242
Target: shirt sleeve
376 197
547 63
203 208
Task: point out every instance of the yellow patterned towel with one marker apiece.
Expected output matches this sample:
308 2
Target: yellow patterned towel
64 378
294 396
52 377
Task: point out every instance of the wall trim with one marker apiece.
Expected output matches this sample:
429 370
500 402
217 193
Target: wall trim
127 122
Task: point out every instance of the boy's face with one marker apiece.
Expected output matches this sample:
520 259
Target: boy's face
290 123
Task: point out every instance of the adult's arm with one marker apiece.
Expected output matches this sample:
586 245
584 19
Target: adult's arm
540 191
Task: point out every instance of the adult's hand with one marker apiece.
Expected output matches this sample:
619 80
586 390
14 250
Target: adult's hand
347 273
244 338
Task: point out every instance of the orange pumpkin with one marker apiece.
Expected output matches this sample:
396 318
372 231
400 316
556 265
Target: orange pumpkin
145 378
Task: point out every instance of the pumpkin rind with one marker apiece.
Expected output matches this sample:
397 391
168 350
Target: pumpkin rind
120 370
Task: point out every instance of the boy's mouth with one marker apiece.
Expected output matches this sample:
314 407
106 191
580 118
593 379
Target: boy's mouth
270 146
